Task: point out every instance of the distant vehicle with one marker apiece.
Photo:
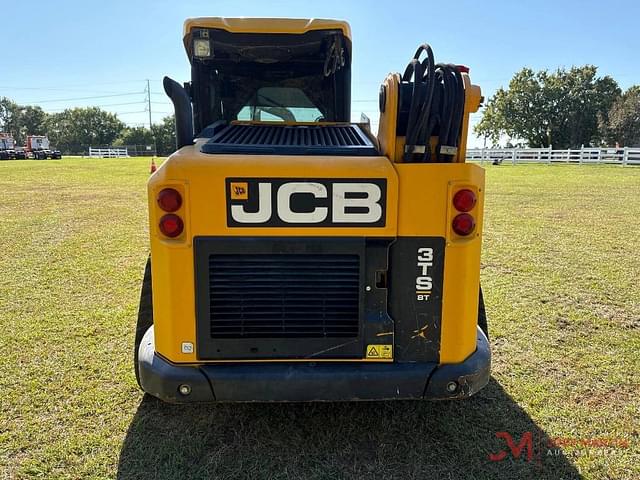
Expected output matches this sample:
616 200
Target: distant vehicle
38 147
21 153
7 147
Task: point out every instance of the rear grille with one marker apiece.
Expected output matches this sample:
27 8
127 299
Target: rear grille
284 295
291 140
327 135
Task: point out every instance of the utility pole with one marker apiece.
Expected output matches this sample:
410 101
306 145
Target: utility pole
155 145
149 101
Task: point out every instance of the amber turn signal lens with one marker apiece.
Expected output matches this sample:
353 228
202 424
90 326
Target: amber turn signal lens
463 224
169 200
464 200
171 225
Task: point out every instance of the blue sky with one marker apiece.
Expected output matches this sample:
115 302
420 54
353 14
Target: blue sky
85 48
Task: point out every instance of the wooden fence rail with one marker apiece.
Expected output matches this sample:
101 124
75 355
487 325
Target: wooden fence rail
617 156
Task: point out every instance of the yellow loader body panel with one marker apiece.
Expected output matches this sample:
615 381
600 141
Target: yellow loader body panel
298 256
419 204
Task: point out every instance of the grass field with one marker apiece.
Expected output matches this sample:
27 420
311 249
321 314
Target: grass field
561 280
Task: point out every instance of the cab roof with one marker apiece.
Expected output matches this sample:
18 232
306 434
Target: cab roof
266 25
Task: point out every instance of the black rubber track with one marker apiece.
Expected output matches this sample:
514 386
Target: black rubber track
145 315
482 316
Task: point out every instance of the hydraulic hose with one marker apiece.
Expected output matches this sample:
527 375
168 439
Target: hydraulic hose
436 108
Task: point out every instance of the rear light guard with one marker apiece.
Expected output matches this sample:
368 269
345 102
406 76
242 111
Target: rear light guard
463 212
170 219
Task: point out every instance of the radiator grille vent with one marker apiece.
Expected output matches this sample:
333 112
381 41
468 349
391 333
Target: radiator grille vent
291 140
284 295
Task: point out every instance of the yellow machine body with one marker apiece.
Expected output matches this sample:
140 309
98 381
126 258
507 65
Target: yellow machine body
412 187
418 204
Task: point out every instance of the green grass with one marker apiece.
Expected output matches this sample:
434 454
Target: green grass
560 274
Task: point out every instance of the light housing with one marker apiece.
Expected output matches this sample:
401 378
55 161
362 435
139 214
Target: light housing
169 200
463 224
464 200
201 48
171 225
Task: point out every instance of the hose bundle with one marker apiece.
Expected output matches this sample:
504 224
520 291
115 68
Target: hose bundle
436 108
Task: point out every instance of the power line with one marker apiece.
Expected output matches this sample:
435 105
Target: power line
50 89
84 84
155 112
118 104
85 98
141 111
129 113
94 106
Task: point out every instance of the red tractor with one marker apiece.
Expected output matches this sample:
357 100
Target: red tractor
37 147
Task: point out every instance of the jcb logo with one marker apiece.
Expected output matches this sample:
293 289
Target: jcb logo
279 202
239 191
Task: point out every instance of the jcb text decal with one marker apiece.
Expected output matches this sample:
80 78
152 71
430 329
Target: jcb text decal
286 202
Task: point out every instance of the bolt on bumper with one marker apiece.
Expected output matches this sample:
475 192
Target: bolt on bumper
311 381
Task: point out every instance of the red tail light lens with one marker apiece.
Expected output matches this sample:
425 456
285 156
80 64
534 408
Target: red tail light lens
169 200
171 225
464 200
463 224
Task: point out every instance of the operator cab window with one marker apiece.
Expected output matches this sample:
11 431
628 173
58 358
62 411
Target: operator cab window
280 104
301 78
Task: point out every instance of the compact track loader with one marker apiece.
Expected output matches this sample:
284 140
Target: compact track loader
296 255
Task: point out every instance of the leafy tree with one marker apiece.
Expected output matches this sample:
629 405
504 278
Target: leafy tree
20 120
9 116
622 124
165 135
162 134
542 108
75 128
134 136
31 121
83 126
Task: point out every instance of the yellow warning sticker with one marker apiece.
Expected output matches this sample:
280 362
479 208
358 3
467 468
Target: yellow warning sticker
379 351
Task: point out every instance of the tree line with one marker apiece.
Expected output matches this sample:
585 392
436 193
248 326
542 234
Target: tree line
73 128
563 109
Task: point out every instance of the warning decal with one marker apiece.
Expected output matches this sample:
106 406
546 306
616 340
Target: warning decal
379 351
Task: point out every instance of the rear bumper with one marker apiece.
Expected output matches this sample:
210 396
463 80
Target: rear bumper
303 382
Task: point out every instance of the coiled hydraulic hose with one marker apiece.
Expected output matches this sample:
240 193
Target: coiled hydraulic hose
436 108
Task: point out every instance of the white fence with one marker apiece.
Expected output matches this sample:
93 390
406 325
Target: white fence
108 152
617 156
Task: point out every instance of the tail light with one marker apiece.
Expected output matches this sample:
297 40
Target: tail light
464 200
171 225
463 224
169 200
